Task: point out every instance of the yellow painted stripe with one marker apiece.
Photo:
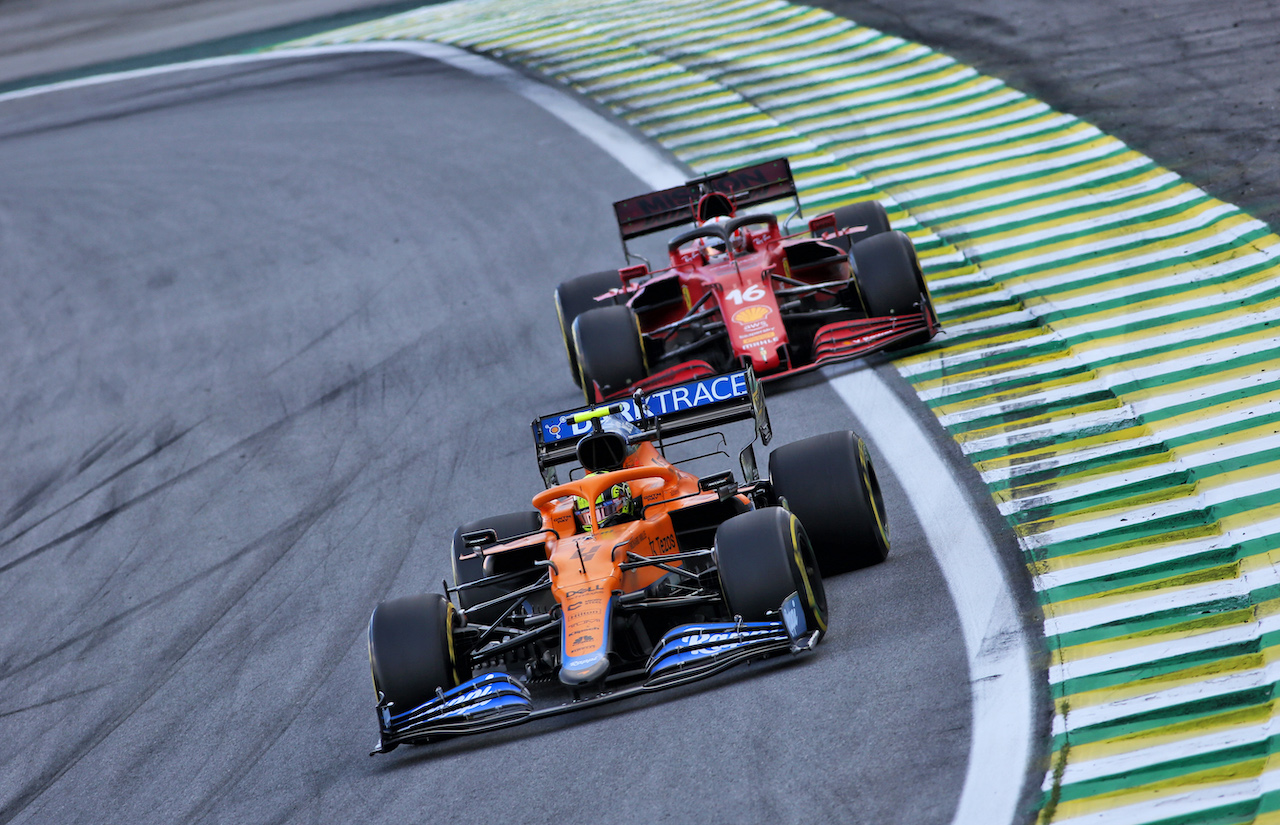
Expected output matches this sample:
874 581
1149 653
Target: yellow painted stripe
1174 733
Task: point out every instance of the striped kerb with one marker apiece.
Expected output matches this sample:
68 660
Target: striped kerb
1109 362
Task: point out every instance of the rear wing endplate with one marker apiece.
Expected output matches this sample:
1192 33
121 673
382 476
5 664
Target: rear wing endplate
665 413
669 208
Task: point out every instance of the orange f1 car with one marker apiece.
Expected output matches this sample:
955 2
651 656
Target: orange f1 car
632 575
738 290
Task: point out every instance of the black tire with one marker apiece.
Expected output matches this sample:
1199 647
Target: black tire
574 297
762 558
890 280
829 482
610 349
466 571
411 651
870 214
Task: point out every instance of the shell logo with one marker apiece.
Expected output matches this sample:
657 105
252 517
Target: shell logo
751 314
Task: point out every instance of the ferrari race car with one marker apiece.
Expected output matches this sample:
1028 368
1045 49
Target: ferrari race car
633 575
739 291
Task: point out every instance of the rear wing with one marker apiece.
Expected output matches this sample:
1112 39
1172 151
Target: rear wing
665 413
669 208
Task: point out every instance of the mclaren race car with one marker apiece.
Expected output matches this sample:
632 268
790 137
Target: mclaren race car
633 574
738 290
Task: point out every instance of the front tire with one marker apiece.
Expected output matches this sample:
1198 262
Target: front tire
890 280
610 349
762 558
830 483
574 297
411 651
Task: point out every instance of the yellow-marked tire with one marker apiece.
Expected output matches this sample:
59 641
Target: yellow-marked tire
411 650
610 349
830 483
763 557
574 297
467 570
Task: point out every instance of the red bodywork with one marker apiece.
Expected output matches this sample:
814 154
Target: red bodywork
782 304
747 287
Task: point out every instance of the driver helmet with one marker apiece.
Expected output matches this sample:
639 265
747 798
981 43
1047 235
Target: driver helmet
713 248
614 506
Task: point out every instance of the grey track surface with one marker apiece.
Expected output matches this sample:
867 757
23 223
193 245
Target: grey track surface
270 333
1193 85
43 37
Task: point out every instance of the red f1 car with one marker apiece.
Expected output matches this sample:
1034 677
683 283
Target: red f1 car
634 574
739 292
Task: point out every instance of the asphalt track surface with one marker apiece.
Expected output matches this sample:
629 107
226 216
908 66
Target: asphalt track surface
271 332
48 37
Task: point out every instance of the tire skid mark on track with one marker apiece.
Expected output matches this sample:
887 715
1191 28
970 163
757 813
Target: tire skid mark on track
39 491
282 725
329 397
95 633
53 700
283 538
116 474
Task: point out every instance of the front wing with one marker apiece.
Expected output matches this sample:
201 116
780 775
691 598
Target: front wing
832 344
685 654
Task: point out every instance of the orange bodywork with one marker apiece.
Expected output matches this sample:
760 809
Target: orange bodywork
586 566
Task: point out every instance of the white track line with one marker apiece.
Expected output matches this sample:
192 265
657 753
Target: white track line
997 645
995 641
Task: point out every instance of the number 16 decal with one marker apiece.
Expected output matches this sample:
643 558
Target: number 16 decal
753 293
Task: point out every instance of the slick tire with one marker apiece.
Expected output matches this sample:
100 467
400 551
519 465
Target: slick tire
411 651
890 280
466 571
610 349
574 297
762 558
830 483
870 214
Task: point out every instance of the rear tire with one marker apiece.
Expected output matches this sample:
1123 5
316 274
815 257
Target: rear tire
890 280
574 297
610 349
762 558
466 571
411 651
829 482
870 214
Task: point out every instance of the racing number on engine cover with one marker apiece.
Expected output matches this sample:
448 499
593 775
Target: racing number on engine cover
753 293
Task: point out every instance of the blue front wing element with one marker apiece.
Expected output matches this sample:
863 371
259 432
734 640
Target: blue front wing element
684 654
487 701
695 650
